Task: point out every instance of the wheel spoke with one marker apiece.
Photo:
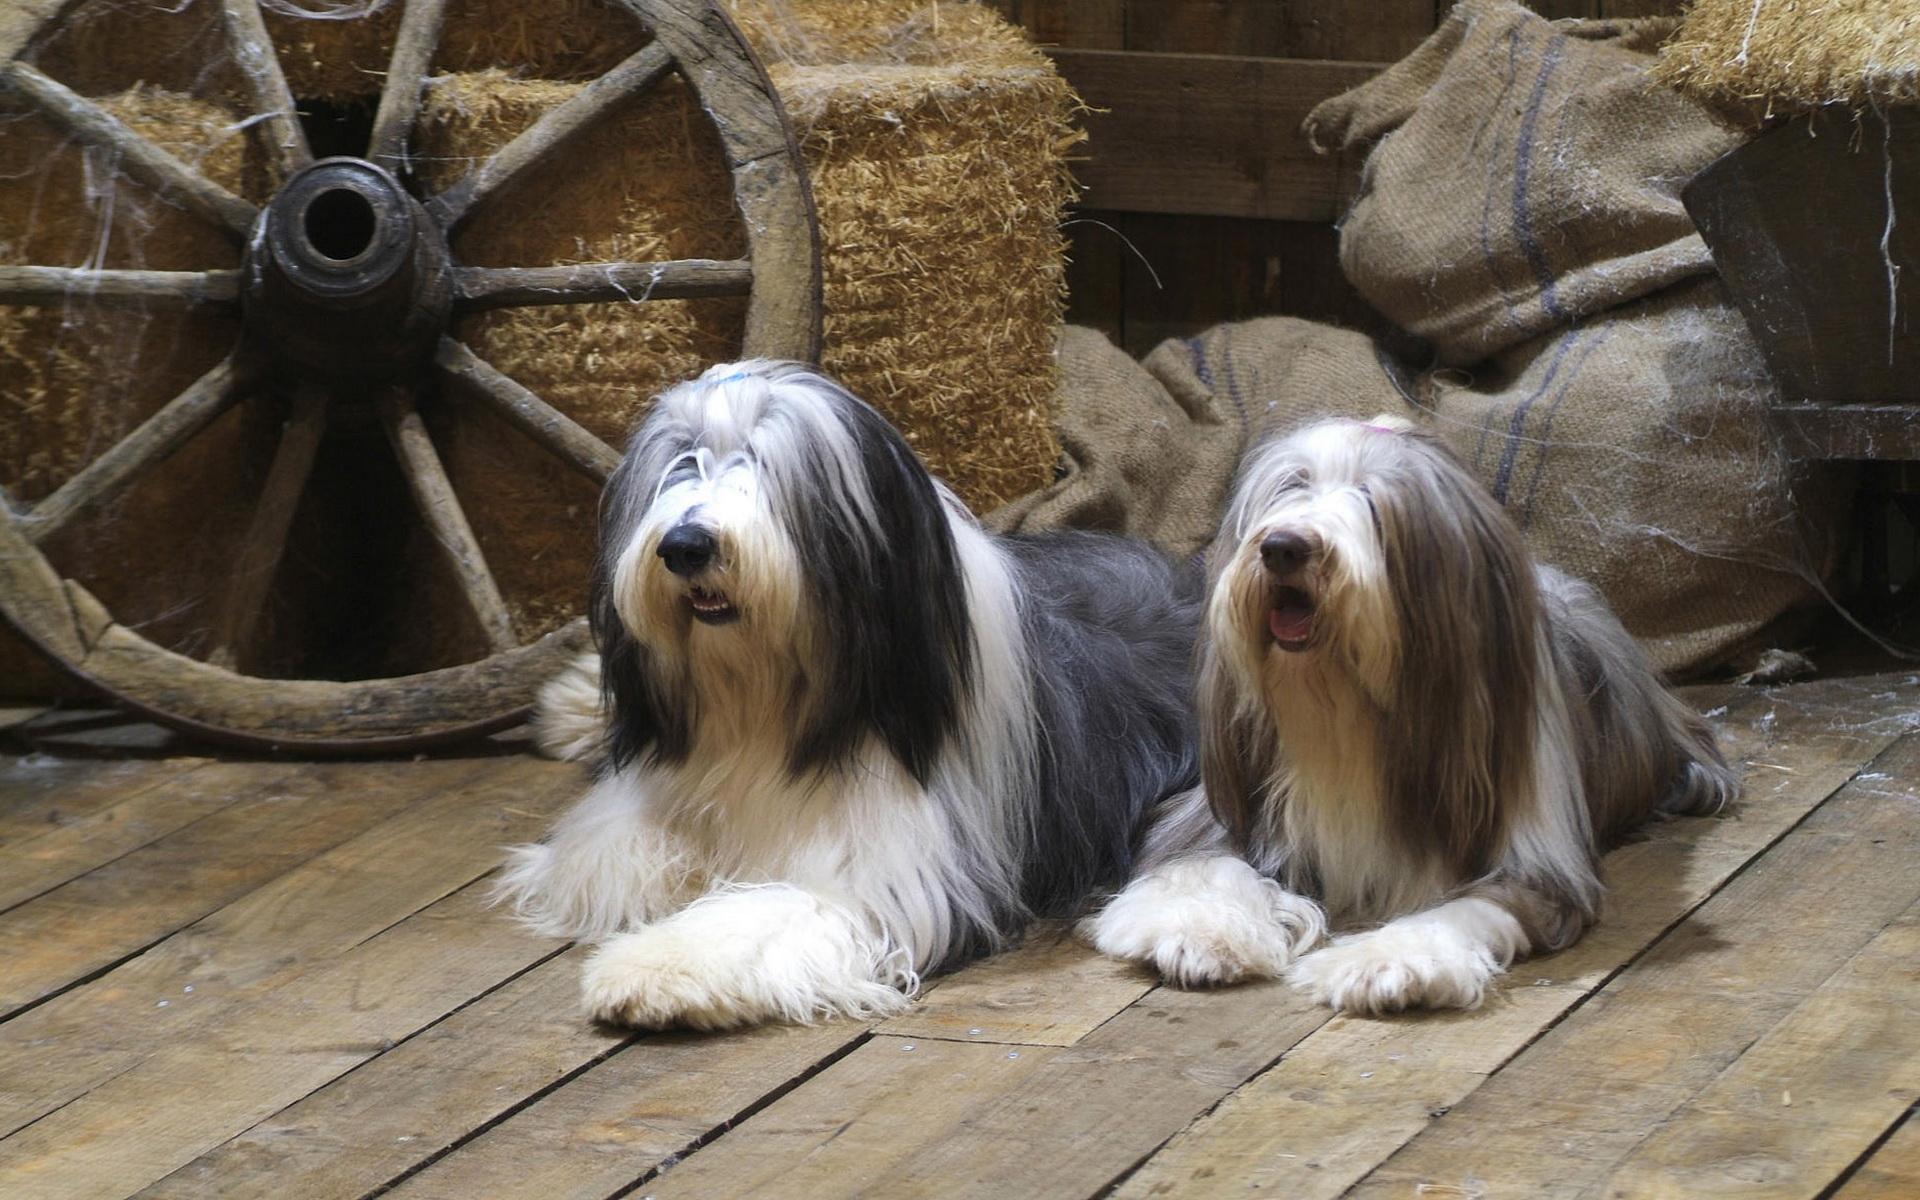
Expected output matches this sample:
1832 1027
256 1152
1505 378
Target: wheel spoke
54 286
253 50
156 438
260 554
140 158
477 288
527 150
769 181
406 75
433 493
530 414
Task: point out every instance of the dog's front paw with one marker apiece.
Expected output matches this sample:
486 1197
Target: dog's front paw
1206 921
771 953
656 978
1395 968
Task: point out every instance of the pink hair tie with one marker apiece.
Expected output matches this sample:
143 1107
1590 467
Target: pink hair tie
1372 428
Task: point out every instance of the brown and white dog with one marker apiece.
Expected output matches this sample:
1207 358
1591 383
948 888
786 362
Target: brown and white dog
1407 726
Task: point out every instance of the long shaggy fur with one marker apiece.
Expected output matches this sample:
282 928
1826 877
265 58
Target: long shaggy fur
849 737
1405 723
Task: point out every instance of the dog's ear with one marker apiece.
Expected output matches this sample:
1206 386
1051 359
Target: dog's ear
893 607
1237 750
645 714
1459 735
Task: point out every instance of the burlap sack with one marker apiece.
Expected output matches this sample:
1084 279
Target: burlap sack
1527 173
1150 449
1635 451
1520 215
1632 449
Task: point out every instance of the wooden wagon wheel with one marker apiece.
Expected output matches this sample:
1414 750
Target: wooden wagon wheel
346 289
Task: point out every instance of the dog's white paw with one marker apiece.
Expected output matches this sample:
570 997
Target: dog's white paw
1397 967
658 977
1206 921
745 957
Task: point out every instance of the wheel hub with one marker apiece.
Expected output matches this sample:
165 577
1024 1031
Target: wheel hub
346 275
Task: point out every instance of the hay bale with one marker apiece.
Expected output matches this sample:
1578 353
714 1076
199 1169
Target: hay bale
344 61
933 138
1776 57
648 185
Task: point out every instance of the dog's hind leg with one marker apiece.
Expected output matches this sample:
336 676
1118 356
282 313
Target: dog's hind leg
773 952
602 868
569 722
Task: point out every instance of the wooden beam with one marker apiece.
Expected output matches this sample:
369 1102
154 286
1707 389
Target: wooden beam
1892 1172
1714 989
376 844
1857 431
531 148
406 76
1048 992
251 579
440 507
477 288
218 290
254 53
857 1120
533 416
172 179
1209 134
152 442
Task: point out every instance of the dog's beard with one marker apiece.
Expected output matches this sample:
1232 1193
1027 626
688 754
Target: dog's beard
750 590
1289 629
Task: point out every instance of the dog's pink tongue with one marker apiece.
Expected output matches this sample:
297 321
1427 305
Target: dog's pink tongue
1290 623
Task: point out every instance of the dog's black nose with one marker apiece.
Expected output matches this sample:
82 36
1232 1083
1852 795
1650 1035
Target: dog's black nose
1285 552
687 548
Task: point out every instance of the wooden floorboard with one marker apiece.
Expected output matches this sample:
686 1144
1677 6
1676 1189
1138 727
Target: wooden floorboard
45 792
1891 1171
1644 1046
223 977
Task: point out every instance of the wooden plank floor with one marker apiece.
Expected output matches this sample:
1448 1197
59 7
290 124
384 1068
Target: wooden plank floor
226 977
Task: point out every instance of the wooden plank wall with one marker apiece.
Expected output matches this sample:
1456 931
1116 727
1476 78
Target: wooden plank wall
1203 202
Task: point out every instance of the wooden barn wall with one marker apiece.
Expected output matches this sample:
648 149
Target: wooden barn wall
1203 202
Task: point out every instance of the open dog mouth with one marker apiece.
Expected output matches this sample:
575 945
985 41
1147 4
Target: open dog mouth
711 607
1290 618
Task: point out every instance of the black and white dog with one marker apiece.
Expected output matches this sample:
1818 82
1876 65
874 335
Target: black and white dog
1405 724
851 738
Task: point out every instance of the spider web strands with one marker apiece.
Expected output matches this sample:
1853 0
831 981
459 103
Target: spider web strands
55 286
406 75
527 412
253 52
169 177
266 542
434 495
477 288
639 71
157 437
